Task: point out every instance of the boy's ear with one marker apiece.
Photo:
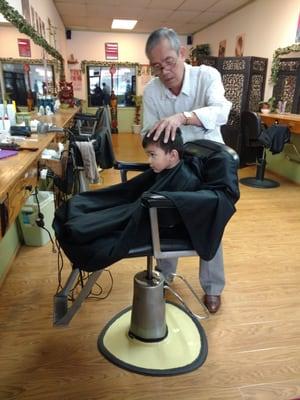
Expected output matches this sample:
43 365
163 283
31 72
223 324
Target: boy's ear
174 154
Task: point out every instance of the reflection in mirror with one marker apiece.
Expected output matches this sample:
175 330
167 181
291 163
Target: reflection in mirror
24 82
100 83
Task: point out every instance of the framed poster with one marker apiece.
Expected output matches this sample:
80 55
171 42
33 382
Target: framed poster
76 78
111 51
26 10
239 45
37 25
24 47
43 30
297 40
32 17
222 48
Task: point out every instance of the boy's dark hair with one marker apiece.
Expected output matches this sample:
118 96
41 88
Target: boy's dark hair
176 144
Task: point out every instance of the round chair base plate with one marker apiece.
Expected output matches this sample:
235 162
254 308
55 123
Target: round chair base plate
183 350
257 183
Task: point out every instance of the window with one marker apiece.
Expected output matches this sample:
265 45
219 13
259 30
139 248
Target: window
100 83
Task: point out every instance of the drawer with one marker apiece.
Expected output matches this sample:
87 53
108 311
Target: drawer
20 191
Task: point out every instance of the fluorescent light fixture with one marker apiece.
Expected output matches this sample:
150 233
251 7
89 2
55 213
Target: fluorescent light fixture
123 23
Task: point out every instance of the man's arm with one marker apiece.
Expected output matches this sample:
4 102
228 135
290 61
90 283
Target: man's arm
217 108
152 122
213 114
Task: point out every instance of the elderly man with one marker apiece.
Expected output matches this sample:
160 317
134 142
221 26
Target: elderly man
191 98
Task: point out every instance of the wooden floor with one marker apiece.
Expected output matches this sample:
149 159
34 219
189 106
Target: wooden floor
254 340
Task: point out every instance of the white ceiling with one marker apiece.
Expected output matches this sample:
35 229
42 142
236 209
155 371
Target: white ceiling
185 16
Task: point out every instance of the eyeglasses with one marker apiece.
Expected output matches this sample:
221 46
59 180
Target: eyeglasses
168 65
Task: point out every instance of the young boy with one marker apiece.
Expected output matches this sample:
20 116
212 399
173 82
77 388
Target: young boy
162 155
97 228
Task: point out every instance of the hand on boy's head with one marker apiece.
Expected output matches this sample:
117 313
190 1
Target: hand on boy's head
168 125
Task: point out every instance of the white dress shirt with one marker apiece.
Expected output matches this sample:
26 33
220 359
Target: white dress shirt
202 92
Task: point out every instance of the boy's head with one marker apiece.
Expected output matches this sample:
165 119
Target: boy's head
163 155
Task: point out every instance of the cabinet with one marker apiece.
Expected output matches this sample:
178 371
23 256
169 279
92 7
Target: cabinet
287 87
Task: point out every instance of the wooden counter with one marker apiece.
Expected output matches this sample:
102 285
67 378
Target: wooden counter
292 120
61 119
19 173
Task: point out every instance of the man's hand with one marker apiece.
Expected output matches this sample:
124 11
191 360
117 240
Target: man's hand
169 125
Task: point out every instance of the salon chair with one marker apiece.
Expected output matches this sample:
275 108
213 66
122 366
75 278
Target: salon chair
152 325
257 136
88 124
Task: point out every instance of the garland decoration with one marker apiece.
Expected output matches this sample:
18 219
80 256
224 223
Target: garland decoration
94 63
19 22
276 59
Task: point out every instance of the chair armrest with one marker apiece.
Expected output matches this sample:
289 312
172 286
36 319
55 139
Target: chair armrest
125 167
85 117
131 166
152 200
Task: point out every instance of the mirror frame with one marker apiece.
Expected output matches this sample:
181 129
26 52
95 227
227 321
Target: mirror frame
276 57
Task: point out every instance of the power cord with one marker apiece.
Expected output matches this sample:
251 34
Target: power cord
40 220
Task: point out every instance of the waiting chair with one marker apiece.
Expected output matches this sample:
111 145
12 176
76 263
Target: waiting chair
258 136
152 325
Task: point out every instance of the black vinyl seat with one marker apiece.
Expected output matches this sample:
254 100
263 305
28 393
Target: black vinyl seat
261 138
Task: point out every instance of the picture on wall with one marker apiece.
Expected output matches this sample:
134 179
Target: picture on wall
24 47
222 48
37 25
239 45
145 74
111 51
297 40
76 78
32 17
26 10
43 30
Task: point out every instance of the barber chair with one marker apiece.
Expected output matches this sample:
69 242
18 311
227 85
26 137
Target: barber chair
255 134
88 124
155 336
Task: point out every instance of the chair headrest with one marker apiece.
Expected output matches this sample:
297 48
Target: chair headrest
206 148
220 165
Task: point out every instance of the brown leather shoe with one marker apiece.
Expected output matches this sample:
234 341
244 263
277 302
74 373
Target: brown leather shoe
212 303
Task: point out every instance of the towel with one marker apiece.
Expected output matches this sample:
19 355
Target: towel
89 161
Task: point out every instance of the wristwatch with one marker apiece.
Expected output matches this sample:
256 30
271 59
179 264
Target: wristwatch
188 116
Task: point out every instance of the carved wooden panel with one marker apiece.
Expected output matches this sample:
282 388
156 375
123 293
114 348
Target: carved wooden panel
287 87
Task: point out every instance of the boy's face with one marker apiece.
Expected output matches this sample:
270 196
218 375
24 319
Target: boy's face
158 159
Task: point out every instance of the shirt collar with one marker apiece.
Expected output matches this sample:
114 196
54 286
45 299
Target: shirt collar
186 87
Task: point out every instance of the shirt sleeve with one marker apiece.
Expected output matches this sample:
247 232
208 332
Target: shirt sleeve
216 112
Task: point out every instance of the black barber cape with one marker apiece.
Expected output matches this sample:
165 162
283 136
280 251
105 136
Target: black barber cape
97 228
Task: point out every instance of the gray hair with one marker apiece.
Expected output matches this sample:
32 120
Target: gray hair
160 34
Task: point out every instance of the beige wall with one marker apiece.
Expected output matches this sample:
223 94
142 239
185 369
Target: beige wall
9 34
267 24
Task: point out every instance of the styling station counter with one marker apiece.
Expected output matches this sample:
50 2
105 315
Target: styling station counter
287 163
19 175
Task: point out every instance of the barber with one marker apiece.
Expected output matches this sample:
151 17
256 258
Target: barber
191 98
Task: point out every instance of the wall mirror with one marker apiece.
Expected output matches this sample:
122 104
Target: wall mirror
286 78
100 82
26 77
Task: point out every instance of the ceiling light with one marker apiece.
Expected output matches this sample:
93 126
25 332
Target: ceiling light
123 23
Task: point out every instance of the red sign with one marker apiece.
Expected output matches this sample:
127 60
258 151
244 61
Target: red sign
112 70
24 47
26 67
111 51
